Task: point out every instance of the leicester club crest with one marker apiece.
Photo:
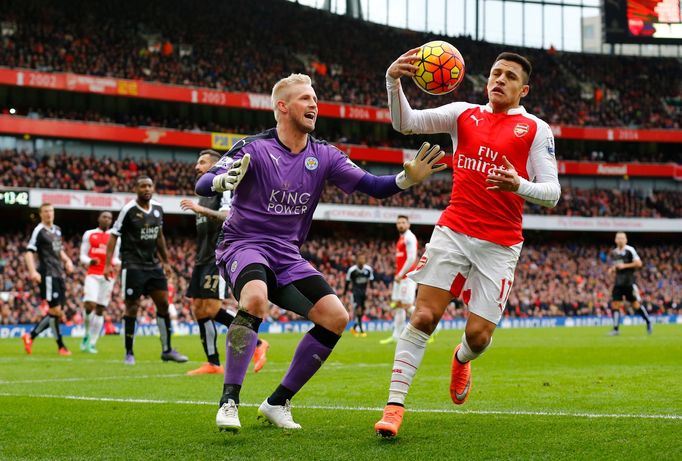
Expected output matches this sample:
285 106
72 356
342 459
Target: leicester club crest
521 129
311 163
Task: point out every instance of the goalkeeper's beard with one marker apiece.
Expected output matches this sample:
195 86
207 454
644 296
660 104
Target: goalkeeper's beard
303 128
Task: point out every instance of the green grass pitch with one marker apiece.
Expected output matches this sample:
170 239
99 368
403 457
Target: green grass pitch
556 393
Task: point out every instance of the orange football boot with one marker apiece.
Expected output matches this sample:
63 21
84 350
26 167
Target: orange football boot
64 351
259 357
460 379
390 422
28 343
207 369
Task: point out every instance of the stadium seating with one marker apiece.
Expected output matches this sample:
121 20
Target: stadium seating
568 278
150 117
570 88
176 178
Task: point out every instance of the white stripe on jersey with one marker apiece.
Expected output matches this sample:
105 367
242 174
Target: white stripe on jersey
118 224
34 238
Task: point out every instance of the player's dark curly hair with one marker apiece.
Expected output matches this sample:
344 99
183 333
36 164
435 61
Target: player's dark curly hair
517 58
142 177
210 152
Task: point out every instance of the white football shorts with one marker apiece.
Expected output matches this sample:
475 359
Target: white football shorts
97 289
478 271
404 291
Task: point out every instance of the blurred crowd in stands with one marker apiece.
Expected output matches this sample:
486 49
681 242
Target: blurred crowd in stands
18 169
552 279
273 38
341 132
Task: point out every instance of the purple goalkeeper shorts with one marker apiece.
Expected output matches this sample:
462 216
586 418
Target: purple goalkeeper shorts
285 261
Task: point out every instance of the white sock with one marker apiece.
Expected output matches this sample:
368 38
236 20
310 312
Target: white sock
96 322
409 353
86 320
399 317
465 354
438 328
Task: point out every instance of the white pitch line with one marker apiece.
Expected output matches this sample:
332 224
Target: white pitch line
92 378
342 408
336 365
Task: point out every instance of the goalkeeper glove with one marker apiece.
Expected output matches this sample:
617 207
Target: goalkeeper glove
421 166
231 179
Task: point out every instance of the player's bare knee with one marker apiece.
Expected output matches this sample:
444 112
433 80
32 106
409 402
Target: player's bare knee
162 308
255 303
333 318
99 309
424 319
340 321
478 339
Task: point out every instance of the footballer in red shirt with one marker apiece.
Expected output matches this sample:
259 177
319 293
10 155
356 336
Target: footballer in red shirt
502 155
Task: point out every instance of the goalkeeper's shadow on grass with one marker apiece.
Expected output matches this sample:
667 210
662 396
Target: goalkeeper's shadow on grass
259 430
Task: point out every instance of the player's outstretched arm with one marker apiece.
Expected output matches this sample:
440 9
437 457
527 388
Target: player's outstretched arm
422 166
223 180
411 121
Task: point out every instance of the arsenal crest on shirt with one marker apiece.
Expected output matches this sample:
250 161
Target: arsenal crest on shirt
521 129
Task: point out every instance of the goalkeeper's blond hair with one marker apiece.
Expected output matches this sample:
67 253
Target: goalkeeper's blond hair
279 91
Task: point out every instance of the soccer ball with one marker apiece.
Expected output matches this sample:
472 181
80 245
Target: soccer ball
440 68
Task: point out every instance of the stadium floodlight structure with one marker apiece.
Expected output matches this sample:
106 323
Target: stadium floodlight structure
570 25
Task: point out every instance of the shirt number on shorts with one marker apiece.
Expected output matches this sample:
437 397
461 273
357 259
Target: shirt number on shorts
211 282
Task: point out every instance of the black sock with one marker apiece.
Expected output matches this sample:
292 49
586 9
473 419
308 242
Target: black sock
358 321
230 391
223 317
164 323
280 396
247 320
40 326
129 328
202 333
644 314
208 333
54 323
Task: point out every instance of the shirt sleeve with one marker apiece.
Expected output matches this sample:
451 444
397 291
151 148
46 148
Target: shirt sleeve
343 173
410 121
115 260
635 256
232 155
542 186
371 273
85 248
117 228
411 249
33 241
348 272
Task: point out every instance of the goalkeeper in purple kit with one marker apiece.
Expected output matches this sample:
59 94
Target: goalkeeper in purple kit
277 177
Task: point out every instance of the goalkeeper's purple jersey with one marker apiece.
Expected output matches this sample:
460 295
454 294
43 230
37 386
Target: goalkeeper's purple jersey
277 197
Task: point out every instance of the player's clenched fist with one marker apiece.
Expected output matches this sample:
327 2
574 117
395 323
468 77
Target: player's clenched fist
231 179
